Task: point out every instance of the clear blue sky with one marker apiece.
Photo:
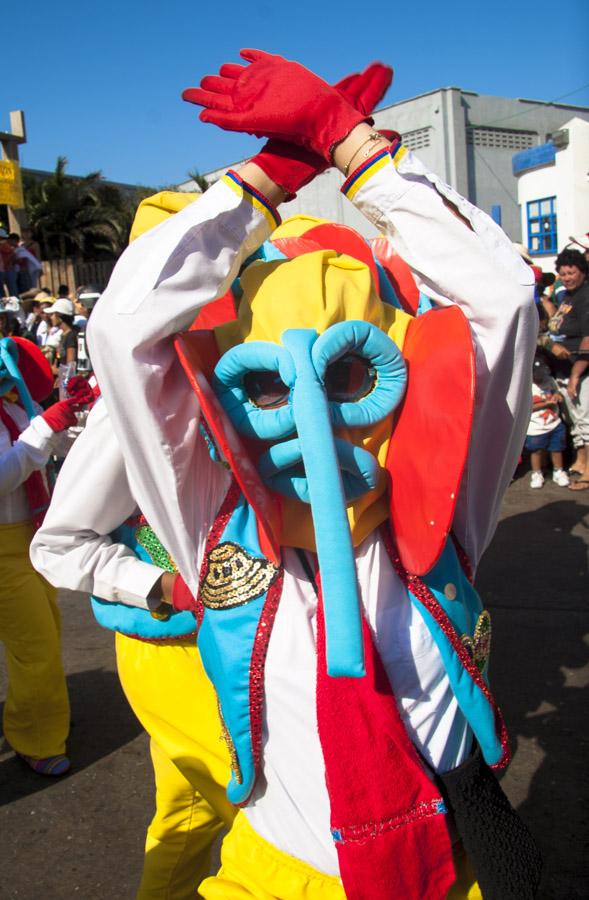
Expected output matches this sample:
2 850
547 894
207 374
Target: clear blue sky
100 83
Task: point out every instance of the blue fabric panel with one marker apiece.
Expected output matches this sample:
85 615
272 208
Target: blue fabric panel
463 612
226 641
139 622
386 290
424 305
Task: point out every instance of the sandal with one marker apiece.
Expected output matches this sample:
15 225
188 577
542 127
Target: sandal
574 473
582 484
47 765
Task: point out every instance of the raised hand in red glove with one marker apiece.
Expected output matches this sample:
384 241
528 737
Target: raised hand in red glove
80 390
276 98
62 415
292 166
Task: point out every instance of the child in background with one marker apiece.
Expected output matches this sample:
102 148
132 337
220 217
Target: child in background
546 431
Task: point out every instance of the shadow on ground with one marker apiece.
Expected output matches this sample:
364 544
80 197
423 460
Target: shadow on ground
534 581
101 724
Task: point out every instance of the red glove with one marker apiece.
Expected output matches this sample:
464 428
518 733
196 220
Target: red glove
80 390
291 166
182 598
61 415
276 98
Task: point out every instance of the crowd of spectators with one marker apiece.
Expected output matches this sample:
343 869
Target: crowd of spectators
57 324
20 262
559 423
558 433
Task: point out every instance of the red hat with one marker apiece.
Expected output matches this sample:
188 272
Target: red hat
35 369
537 273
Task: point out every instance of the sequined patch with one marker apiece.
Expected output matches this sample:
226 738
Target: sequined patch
149 540
479 645
234 577
226 737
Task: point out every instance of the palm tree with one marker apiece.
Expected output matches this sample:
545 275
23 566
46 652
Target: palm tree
80 217
199 179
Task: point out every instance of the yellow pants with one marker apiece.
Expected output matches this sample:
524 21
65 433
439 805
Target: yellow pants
36 712
171 696
173 699
253 869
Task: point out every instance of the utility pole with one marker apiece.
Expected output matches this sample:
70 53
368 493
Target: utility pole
11 192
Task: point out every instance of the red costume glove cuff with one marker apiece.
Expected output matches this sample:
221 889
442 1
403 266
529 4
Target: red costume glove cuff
289 166
182 598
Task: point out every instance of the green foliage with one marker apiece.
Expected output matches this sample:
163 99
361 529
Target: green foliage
86 218
199 179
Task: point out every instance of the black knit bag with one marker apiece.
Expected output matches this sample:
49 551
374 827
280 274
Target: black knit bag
501 850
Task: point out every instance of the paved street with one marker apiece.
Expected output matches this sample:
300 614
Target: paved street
82 836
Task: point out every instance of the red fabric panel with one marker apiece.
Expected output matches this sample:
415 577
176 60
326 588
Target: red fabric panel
394 841
430 439
398 273
198 353
216 313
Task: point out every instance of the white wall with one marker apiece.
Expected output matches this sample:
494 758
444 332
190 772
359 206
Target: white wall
567 179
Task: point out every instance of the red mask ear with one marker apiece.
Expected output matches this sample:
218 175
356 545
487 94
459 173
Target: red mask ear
199 354
398 273
35 369
430 439
216 313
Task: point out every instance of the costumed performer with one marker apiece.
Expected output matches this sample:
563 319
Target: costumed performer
103 545
325 481
36 717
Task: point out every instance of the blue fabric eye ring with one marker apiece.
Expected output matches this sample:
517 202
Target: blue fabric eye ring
249 419
365 339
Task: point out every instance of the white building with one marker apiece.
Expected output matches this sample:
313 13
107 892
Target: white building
553 192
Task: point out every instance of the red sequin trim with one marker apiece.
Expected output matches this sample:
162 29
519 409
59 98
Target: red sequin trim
214 536
169 640
420 590
135 521
369 830
257 665
262 638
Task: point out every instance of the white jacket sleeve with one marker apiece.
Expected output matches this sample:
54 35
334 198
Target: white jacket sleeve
156 289
28 454
73 549
476 268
